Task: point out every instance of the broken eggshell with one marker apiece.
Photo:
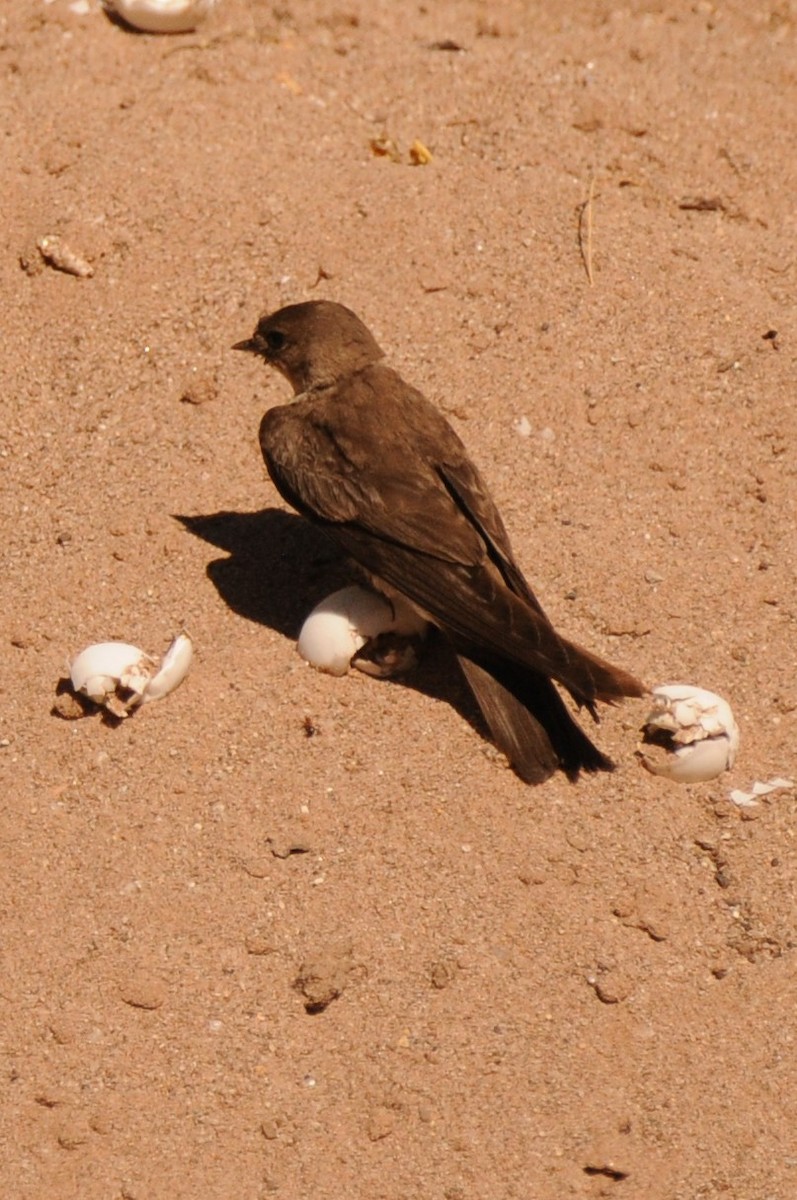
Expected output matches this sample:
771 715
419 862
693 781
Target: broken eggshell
161 16
120 677
173 669
358 627
690 734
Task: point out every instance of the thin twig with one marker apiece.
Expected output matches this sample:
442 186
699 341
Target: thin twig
585 231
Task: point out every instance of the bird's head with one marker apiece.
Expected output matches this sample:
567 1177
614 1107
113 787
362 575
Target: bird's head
313 344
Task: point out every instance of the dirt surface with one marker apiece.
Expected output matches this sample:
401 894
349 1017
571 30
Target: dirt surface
284 934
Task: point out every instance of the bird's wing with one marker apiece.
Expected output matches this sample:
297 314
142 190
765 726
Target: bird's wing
367 453
393 485
471 495
483 618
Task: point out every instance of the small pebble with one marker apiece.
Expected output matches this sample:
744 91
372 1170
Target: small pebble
608 1157
381 1124
72 1135
257 944
322 979
611 987
143 992
442 974
200 389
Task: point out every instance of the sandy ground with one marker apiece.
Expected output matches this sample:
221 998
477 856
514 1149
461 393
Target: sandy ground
571 991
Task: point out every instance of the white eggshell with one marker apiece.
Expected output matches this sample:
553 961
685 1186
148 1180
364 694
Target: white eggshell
703 734
173 669
162 16
98 669
696 763
340 626
688 710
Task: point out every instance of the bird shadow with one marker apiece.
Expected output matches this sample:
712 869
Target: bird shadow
279 566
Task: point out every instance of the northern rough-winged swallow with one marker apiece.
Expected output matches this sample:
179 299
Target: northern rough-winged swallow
369 459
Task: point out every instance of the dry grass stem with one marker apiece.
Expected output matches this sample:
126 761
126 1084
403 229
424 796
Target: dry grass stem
585 231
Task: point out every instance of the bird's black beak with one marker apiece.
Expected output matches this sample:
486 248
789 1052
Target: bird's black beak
251 344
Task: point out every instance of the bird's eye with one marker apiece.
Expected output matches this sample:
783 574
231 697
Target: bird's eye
275 341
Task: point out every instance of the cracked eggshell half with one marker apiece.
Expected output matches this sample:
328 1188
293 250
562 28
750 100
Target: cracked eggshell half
345 621
100 669
119 676
161 16
690 734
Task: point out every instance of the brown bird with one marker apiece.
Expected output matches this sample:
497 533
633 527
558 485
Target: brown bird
369 459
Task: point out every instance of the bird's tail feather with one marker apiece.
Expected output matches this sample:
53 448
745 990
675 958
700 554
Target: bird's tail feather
592 678
530 722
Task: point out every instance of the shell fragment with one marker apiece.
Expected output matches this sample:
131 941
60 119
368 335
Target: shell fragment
120 677
690 734
161 16
60 255
173 669
357 627
759 788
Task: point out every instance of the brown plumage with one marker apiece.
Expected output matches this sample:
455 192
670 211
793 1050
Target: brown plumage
365 455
